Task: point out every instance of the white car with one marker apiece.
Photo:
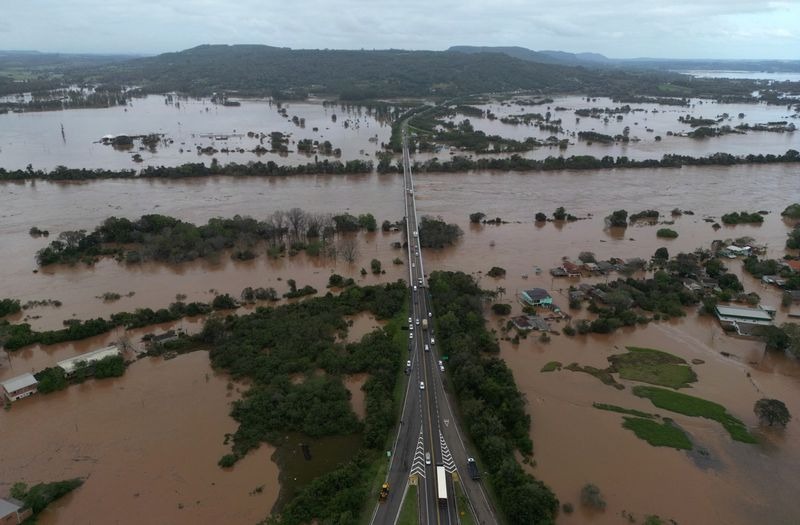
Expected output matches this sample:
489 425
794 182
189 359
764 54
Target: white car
441 368
433 340
430 314
417 321
408 364
411 335
422 385
415 287
409 320
427 348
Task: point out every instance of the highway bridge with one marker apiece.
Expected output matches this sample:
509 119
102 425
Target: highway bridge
428 451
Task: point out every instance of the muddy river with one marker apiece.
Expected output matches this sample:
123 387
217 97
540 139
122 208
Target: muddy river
105 430
147 445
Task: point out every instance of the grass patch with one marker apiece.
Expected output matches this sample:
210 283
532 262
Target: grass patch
696 407
654 367
658 434
408 513
464 512
552 366
603 374
621 410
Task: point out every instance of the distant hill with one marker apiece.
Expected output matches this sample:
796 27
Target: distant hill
358 75
544 57
663 64
257 69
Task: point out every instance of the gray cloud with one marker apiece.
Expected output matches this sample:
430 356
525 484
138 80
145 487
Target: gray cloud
623 28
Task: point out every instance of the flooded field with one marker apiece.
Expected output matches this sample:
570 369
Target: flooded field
37 138
137 438
147 444
645 122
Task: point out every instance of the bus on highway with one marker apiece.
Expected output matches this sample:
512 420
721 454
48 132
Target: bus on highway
441 485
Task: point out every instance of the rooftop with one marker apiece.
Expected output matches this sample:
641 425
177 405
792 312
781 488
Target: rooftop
9 506
69 364
17 383
537 293
741 312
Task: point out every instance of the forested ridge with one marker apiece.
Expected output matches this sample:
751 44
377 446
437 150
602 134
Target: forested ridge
372 74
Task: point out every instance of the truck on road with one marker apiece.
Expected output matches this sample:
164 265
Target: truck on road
424 324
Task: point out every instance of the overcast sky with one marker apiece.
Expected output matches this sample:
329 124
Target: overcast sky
616 28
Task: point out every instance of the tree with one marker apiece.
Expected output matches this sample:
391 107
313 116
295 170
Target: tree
476 217
662 254
591 497
501 309
772 412
376 266
347 247
541 217
496 271
618 219
560 214
587 257
368 222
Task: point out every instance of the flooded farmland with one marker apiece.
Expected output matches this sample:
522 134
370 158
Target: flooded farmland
137 437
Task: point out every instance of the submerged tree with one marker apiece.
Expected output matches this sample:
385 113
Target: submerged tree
772 412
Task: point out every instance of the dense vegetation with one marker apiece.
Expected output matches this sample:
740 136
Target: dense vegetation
435 233
167 239
16 336
39 496
696 407
742 218
664 295
194 169
9 306
270 344
492 406
516 162
456 163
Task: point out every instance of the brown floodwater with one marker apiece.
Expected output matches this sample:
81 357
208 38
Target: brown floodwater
147 445
36 138
575 443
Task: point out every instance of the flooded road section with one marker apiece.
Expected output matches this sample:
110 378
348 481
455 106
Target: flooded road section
147 444
37 138
736 484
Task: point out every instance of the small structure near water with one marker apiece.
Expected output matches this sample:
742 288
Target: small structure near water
71 365
17 388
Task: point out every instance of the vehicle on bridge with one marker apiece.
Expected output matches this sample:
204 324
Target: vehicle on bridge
384 493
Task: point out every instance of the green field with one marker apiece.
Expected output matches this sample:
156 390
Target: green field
464 512
621 410
409 514
658 434
696 407
652 366
552 366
